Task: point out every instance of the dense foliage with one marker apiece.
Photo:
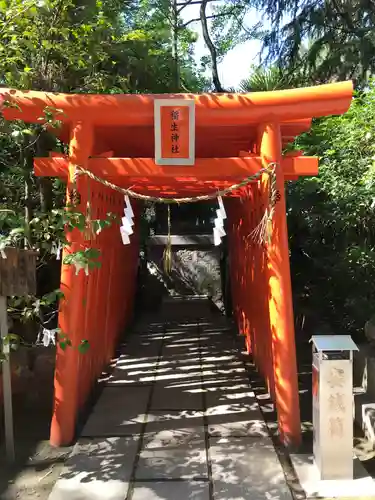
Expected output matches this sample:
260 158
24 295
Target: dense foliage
71 46
327 41
331 217
332 220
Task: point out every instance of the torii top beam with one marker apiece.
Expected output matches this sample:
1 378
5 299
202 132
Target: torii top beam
227 125
211 109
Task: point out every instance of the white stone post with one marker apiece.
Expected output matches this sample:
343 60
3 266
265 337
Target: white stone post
333 405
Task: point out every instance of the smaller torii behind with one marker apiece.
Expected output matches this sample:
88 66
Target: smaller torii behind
113 137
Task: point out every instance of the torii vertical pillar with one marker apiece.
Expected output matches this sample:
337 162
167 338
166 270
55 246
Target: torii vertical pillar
280 300
72 307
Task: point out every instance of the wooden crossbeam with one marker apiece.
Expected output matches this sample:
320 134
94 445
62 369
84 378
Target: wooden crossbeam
126 171
211 109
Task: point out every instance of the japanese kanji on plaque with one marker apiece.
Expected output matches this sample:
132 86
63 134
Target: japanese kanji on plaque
174 131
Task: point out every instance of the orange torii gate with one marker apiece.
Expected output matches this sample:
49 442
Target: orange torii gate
235 135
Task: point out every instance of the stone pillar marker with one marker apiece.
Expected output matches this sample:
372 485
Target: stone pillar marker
332 470
332 372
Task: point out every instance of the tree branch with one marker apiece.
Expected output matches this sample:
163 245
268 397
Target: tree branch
191 2
184 4
345 16
213 16
211 47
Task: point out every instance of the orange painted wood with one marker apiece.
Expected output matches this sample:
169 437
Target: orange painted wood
72 313
252 297
104 154
262 298
111 250
214 141
280 302
105 296
144 170
211 109
235 230
103 299
248 288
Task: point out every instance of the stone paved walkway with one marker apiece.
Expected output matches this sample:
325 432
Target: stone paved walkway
177 420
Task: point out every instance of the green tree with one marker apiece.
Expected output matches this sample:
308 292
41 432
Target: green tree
264 79
71 46
331 40
223 27
93 46
331 220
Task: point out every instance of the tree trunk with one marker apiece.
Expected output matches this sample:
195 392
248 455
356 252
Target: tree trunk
45 194
42 146
211 47
26 160
28 209
176 69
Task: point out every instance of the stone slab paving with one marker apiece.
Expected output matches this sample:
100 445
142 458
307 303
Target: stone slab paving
177 421
235 421
166 397
174 420
132 371
246 469
171 490
120 411
173 455
97 469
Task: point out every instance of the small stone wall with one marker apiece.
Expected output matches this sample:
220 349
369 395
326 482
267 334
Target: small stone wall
194 270
201 269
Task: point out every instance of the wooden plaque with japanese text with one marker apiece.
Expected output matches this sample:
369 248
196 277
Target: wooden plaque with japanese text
18 272
174 121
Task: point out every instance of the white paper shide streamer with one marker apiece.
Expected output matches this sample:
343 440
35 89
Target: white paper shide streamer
49 336
219 231
2 251
127 222
56 249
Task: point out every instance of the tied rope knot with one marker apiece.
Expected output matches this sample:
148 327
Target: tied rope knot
262 233
272 199
74 196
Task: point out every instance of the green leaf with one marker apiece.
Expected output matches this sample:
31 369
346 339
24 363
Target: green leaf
63 345
84 346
